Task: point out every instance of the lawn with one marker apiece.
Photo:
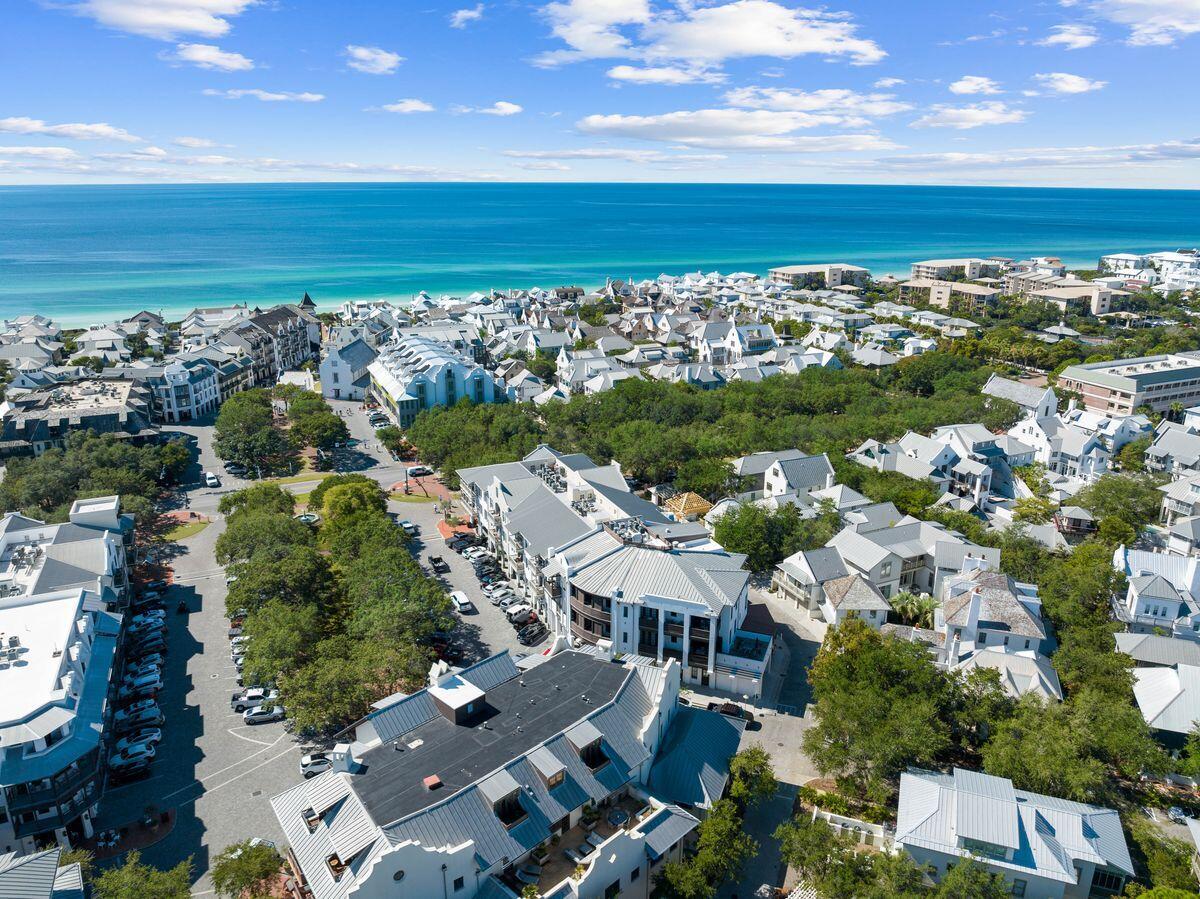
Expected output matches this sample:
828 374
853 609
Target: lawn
400 497
183 531
307 475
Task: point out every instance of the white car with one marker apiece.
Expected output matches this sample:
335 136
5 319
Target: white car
261 714
491 589
315 763
255 696
462 604
498 598
131 757
509 601
211 480
517 610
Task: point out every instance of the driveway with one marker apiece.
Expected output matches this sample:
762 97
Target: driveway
216 772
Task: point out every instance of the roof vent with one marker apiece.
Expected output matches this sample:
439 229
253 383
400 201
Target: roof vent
432 782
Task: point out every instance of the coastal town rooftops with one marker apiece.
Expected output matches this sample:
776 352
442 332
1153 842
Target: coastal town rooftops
517 716
1168 696
1137 373
855 593
1038 834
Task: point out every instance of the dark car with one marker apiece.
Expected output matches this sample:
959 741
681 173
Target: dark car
731 709
438 564
531 633
128 773
152 643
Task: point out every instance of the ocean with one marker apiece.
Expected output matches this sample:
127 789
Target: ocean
83 254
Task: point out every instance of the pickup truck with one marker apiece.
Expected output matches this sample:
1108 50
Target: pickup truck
248 699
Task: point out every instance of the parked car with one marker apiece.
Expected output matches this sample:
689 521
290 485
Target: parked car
255 696
132 716
261 714
145 735
500 596
409 528
147 599
532 633
147 616
418 471
158 585
157 659
133 672
1177 815
126 773
523 617
211 480
145 645
475 552
438 564
462 604
135 752
141 686
314 763
732 709
516 608
507 602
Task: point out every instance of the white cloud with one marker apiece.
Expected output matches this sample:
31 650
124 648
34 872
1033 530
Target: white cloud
746 28
499 108
975 84
266 96
989 112
1061 157
733 129
210 56
1151 23
373 60
591 28
664 75
165 19
700 35
885 83
407 105
543 166
850 104
1065 83
460 18
1070 37
641 157
194 143
70 130
54 153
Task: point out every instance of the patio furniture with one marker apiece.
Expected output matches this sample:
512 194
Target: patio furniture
529 873
618 817
595 839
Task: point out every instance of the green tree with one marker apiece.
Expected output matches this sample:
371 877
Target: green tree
282 638
1033 509
710 478
257 498
81 857
752 779
317 497
968 879
1133 498
391 437
134 880
880 706
246 870
250 533
1132 456
1039 749
321 429
297 574
348 499
1166 859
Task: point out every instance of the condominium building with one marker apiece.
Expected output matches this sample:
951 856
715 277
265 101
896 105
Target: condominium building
971 297
602 566
573 772
1122 386
42 419
822 275
968 269
412 374
57 584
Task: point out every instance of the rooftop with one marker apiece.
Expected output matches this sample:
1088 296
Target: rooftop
43 628
519 714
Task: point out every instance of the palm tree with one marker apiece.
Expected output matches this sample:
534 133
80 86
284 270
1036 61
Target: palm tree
916 611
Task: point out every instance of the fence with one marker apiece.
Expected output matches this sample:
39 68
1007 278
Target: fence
863 832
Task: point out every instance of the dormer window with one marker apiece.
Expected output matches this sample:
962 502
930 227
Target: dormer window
509 809
593 756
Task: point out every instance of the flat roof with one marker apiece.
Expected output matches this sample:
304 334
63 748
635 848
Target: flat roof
44 626
519 714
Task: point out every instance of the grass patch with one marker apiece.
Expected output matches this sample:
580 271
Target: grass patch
302 498
301 478
183 531
400 497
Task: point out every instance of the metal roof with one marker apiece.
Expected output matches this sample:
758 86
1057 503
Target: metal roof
692 766
666 828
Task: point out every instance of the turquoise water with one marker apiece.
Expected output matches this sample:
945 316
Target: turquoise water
83 254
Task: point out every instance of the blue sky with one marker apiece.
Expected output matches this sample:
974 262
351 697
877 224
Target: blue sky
1058 92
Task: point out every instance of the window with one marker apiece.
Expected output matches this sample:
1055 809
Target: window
625 612
458 884
635 874
885 569
613 890
1018 887
1107 880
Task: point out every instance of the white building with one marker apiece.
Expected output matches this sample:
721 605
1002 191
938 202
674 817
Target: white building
1046 848
344 372
413 373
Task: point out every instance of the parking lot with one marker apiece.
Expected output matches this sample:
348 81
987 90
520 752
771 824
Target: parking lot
215 772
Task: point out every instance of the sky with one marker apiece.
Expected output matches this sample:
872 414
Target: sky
1007 92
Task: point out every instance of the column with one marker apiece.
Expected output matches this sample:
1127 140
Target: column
687 636
713 624
661 635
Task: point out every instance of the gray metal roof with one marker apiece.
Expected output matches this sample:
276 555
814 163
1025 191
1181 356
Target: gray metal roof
692 766
1152 649
715 579
34 876
666 828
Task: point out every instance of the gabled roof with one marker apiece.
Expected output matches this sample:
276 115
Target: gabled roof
1168 697
692 766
